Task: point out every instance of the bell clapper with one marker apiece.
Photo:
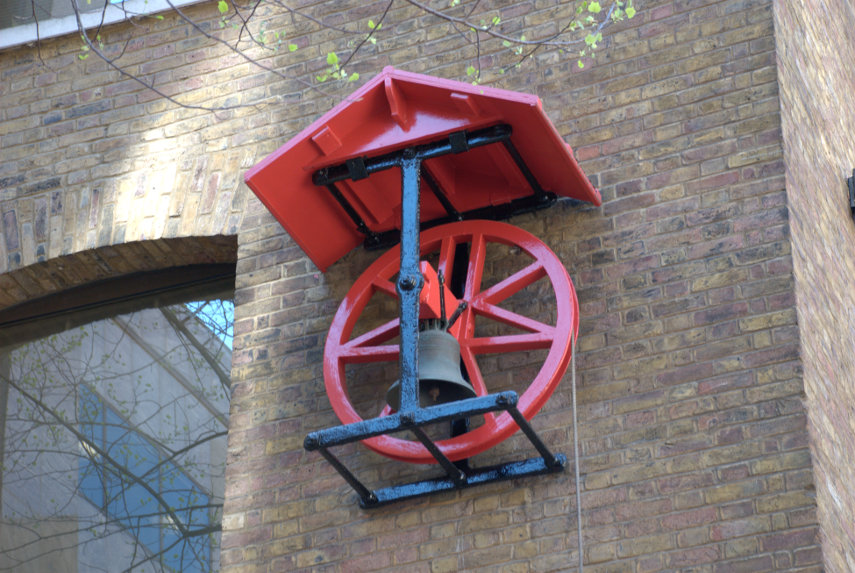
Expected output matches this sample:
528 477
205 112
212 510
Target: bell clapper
456 314
444 323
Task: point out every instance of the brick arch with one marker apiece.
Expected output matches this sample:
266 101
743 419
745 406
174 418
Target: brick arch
69 271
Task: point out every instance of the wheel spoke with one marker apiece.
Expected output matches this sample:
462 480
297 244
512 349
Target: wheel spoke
377 335
385 286
509 343
361 354
477 256
512 319
513 284
446 256
369 347
472 369
519 333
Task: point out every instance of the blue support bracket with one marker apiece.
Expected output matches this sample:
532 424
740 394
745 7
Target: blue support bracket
410 415
414 420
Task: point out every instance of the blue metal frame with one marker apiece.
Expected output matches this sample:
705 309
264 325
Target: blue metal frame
410 415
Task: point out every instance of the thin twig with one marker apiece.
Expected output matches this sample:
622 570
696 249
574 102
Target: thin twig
370 34
490 30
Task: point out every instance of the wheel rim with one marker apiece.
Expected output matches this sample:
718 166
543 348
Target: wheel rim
372 346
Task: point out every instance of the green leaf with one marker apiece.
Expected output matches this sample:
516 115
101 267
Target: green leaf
594 7
292 47
630 11
353 77
332 59
470 70
496 20
223 6
371 24
506 44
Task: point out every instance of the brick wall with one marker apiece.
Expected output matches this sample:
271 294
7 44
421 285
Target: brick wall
693 432
95 171
816 76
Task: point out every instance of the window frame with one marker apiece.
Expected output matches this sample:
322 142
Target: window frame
92 301
111 14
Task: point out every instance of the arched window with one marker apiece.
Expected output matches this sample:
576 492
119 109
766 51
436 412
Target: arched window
114 408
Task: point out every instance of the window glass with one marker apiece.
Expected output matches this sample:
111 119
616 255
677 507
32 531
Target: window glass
114 442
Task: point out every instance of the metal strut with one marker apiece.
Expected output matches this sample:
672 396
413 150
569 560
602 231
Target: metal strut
457 478
456 142
410 415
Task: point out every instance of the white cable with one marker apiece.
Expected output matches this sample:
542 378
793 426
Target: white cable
576 454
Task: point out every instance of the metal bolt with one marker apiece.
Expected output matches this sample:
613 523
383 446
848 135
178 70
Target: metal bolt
407 283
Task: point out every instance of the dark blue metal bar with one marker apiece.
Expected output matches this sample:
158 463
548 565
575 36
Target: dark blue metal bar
413 421
340 435
529 176
519 206
851 184
511 470
439 193
366 496
411 416
369 165
532 436
456 475
410 282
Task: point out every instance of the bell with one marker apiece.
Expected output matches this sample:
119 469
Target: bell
440 380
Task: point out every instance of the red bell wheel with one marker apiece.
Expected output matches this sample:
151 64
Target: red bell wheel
553 336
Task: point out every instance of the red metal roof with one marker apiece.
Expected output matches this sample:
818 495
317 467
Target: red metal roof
393 111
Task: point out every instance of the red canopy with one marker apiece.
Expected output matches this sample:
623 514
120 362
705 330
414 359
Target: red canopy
393 111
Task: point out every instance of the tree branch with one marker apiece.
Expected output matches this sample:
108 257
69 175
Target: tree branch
100 451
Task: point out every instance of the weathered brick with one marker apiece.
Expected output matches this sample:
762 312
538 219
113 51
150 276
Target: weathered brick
707 284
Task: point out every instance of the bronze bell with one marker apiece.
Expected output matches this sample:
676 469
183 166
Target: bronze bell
440 380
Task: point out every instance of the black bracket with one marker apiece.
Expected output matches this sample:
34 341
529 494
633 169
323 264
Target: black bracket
850 182
455 143
410 415
456 477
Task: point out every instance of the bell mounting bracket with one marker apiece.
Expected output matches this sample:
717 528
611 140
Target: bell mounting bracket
484 154
457 142
411 416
